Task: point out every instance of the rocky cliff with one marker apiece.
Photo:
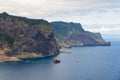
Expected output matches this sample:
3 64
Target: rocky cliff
73 34
22 37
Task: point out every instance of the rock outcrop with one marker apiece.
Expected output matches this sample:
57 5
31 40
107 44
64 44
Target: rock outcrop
74 35
23 37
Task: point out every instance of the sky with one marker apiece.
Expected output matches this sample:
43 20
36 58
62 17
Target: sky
86 12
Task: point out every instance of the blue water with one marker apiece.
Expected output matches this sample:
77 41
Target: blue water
84 63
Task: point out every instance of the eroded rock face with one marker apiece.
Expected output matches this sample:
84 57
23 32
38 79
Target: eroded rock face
23 35
73 34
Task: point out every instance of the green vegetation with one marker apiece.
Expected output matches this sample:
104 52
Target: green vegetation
5 38
10 41
73 34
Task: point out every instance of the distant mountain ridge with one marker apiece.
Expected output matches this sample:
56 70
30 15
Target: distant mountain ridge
73 34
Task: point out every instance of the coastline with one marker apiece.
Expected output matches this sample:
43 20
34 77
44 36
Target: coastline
31 56
87 45
16 59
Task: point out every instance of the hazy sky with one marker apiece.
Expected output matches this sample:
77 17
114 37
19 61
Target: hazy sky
82 11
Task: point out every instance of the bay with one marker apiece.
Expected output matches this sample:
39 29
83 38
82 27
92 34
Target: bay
84 63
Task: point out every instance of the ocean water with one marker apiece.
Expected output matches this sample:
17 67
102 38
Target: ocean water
84 63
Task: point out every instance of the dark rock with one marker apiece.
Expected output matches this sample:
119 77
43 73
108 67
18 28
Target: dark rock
56 60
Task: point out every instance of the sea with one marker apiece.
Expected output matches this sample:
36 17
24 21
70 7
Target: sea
83 63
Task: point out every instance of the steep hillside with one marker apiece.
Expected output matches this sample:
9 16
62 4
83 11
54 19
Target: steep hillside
22 37
73 34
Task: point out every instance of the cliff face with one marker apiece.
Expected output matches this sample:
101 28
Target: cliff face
23 37
74 34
